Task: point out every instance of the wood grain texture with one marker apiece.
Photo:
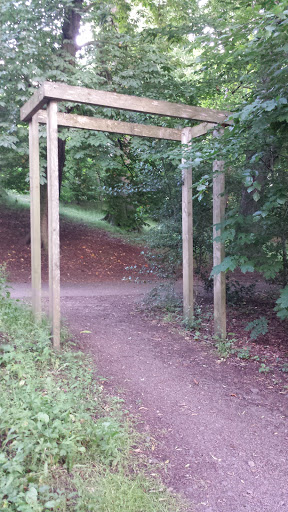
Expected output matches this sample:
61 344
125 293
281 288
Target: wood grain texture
32 106
219 249
63 92
35 229
111 126
201 129
53 222
187 234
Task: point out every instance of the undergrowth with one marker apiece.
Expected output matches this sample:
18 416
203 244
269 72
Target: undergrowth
165 304
63 445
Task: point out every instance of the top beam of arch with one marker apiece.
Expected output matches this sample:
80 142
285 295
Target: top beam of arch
62 92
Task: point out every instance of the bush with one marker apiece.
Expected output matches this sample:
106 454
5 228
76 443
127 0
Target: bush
165 248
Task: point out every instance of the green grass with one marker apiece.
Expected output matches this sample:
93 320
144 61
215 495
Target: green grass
87 215
15 200
84 214
81 214
65 446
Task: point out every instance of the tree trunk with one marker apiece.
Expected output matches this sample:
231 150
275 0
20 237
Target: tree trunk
285 261
70 31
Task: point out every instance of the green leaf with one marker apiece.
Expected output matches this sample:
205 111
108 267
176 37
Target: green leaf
282 304
269 105
31 496
228 263
50 504
197 161
42 416
257 185
247 267
281 200
258 327
3 458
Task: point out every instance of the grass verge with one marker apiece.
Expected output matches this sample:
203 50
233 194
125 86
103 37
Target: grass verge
63 445
84 214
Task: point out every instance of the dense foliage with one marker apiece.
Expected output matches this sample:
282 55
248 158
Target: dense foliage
230 55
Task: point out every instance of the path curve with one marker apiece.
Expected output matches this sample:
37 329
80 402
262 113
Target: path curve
221 432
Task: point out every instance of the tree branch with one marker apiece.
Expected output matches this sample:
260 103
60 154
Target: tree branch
94 43
89 7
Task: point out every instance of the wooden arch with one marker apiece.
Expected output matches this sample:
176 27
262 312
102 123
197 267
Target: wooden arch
50 94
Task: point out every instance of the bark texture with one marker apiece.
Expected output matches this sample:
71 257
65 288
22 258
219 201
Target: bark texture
70 31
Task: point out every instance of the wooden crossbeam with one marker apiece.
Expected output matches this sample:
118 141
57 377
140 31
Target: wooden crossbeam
62 92
112 126
200 129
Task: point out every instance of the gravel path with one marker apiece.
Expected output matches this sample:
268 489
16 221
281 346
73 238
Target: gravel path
221 432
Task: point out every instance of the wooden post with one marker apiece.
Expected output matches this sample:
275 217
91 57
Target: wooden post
187 234
53 222
35 230
219 249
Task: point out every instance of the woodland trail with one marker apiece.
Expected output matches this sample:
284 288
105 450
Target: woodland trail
219 430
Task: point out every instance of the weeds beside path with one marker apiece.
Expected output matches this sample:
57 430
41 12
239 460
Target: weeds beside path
64 444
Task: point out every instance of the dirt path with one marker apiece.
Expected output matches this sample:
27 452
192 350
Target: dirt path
221 432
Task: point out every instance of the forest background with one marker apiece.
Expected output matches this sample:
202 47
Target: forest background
231 56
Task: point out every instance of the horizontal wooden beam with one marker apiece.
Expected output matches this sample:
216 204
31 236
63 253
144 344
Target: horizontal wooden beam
201 129
63 92
112 126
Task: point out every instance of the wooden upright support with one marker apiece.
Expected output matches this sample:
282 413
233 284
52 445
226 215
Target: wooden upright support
187 233
35 236
53 222
219 249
